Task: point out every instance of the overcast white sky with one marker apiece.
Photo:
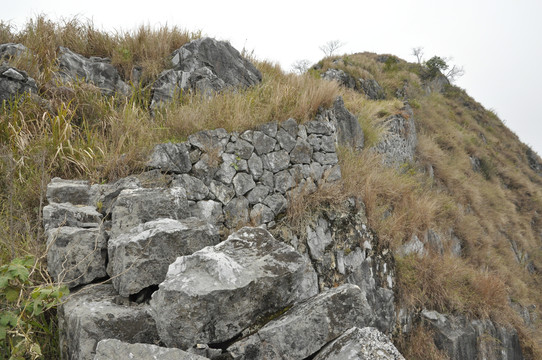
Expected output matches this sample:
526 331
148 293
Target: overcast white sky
499 43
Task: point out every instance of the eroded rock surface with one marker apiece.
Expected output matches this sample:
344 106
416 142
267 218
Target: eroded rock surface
212 295
14 82
115 349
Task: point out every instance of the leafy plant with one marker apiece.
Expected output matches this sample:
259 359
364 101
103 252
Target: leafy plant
26 309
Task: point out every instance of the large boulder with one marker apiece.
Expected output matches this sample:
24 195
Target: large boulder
341 77
65 214
140 257
372 89
211 296
398 142
14 82
12 50
76 256
95 70
115 349
460 338
363 344
170 157
207 66
76 192
308 326
95 313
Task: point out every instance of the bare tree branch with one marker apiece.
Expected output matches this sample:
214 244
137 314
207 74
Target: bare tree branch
330 47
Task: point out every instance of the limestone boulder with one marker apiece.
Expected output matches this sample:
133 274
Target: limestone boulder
65 214
364 344
140 257
76 192
211 296
95 70
12 50
14 82
119 350
76 256
169 157
307 326
138 206
96 313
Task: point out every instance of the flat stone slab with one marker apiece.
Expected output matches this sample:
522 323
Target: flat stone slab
65 214
214 294
140 257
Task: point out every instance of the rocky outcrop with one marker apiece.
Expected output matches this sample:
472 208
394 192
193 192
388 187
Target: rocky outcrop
461 339
398 142
341 77
214 294
115 349
372 89
95 70
206 66
12 50
348 129
96 313
534 161
369 87
363 344
14 82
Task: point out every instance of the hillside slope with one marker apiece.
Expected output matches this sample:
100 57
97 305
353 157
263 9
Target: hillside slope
468 199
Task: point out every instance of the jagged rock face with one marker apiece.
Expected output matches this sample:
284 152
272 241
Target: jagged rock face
475 339
115 349
535 162
207 66
140 257
95 70
398 143
212 295
307 326
343 250
348 129
363 344
93 314
341 77
372 89
436 84
14 82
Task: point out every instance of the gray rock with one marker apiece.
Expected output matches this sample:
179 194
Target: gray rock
261 214
276 161
247 135
228 168
194 187
348 129
241 148
267 179
236 212
243 183
208 210
460 338
286 141
76 256
140 257
315 141
263 144
207 166
364 344
205 65
12 50
327 144
301 153
115 349
291 127
106 195
255 166
307 327
535 163
269 129
319 127
325 158
14 82
258 194
277 203
93 314
283 181
318 238
434 240
76 192
94 70
170 157
138 206
413 246
223 193
210 140
214 294
302 132
316 170
372 89
332 174
398 142
65 214
339 76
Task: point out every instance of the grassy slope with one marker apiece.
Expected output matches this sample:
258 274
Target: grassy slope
84 135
